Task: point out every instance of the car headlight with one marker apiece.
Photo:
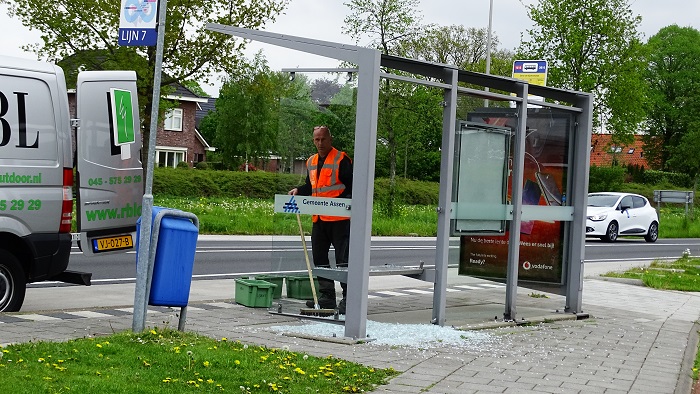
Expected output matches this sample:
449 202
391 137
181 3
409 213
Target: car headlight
597 218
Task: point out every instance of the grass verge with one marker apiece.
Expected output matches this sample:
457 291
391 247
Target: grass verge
169 361
252 216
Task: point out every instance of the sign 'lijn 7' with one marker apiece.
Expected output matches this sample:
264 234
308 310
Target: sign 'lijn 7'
137 23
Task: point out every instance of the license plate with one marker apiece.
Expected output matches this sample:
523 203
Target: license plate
112 243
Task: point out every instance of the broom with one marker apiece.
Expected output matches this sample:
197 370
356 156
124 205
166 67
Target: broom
316 311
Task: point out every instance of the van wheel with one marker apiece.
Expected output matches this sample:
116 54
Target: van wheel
13 284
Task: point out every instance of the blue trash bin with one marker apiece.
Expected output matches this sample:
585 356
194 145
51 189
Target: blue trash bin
172 268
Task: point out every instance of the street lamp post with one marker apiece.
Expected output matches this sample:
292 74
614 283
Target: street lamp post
488 48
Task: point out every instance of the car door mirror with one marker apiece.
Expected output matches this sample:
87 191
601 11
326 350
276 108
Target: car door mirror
623 208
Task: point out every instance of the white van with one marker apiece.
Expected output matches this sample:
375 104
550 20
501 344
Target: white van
37 171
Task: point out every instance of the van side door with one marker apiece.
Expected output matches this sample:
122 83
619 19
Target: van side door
110 175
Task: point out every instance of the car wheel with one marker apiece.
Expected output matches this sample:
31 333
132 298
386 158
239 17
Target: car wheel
13 285
653 233
611 232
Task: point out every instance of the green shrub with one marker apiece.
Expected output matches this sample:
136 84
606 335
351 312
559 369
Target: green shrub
408 192
183 164
635 173
264 185
202 165
677 179
603 179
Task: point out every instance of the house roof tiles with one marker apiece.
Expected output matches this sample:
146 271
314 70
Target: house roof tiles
604 152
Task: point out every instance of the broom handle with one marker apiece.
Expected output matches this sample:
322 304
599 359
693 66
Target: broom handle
308 264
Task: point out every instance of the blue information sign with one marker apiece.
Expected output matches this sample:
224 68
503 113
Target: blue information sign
137 23
532 71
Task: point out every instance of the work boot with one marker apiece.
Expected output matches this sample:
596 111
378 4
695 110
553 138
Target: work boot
341 306
324 302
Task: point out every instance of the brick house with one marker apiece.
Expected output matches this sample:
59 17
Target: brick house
605 153
177 139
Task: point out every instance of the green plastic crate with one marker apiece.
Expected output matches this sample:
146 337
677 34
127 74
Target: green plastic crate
298 287
254 293
277 280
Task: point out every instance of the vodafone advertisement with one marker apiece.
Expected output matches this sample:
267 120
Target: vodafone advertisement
544 184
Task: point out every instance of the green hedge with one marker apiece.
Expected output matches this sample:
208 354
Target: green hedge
654 177
605 179
260 184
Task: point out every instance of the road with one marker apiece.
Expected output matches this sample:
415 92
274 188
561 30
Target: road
222 257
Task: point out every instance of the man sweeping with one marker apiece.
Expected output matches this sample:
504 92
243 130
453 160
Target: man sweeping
329 174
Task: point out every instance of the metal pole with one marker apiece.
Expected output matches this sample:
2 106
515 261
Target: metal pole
368 62
449 126
142 265
488 48
517 203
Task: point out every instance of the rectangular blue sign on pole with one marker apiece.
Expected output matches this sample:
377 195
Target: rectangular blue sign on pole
532 71
137 23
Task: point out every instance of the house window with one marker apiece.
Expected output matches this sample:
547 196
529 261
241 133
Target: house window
630 151
169 158
173 120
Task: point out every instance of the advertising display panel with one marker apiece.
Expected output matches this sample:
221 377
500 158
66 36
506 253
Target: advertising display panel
544 189
479 189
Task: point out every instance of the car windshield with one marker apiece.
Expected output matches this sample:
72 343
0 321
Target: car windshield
602 200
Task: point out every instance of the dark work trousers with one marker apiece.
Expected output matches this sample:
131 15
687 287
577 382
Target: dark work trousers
323 235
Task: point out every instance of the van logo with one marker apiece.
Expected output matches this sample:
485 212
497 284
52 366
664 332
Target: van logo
122 120
123 117
21 122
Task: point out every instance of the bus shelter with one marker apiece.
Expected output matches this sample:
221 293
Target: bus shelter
476 219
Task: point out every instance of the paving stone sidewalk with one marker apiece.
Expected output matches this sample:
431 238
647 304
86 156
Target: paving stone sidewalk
635 340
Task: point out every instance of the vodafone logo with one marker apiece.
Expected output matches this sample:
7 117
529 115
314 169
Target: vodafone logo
528 266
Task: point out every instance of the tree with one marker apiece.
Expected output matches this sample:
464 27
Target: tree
87 31
465 48
592 46
386 23
297 118
247 113
673 74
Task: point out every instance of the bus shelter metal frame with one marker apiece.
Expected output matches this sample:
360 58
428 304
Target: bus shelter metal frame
369 64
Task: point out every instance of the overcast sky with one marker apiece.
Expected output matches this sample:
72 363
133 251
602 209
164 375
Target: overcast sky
323 19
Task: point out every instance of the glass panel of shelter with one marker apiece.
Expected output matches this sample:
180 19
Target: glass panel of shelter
308 100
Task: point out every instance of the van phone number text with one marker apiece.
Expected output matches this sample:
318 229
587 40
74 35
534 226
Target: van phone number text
20 205
114 180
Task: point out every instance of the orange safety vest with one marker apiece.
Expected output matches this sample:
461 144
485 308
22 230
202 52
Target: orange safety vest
327 183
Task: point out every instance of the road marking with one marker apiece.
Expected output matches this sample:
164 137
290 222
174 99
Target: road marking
223 305
37 317
417 291
467 287
89 314
390 293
